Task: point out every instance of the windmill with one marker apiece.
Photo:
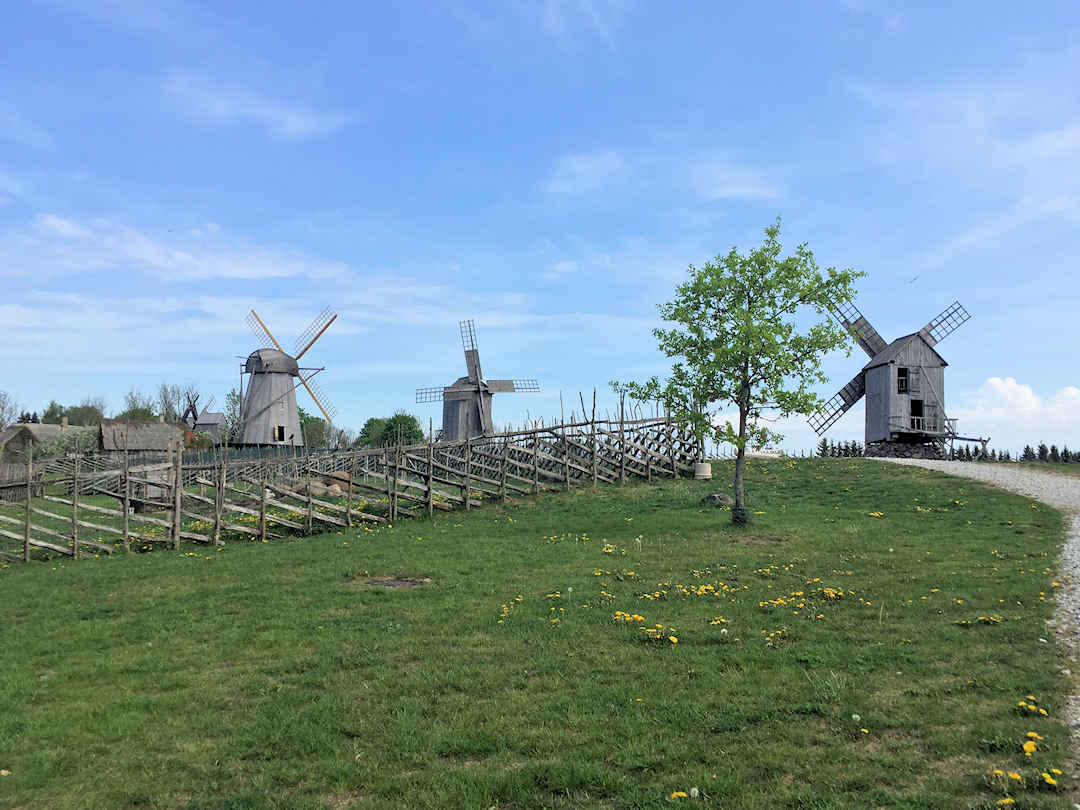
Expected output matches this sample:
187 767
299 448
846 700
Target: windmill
467 402
269 414
904 385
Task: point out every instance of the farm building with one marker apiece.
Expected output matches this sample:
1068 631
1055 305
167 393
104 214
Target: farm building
115 436
14 439
212 423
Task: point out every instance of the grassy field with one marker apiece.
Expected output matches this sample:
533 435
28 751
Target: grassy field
874 639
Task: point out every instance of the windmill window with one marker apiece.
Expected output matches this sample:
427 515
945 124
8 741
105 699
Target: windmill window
901 381
279 433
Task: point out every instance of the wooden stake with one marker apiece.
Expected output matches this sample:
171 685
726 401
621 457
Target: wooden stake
29 497
565 446
219 499
622 440
348 500
262 509
127 495
536 464
592 443
505 453
75 506
310 506
178 493
468 471
430 470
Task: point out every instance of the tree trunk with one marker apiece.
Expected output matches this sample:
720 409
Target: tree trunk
739 515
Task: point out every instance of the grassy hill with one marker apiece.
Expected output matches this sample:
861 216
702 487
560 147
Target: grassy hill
876 638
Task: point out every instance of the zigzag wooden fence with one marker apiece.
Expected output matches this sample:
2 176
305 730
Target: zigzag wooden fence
86 505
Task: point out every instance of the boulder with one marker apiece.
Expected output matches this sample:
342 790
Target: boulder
718 499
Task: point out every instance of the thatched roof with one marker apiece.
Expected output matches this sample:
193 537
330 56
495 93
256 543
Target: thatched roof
140 435
23 434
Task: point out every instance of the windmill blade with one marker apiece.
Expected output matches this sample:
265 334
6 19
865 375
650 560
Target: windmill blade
839 404
209 403
432 394
262 333
472 354
512 386
855 322
329 411
314 332
945 324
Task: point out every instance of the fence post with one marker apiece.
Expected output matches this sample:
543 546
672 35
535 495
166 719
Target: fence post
262 508
468 471
29 496
536 463
178 493
169 496
307 469
219 499
348 499
670 449
505 462
592 441
622 440
430 473
127 495
75 507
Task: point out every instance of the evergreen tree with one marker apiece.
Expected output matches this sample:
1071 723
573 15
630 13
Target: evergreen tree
832 449
993 455
823 448
1055 456
1066 455
1044 452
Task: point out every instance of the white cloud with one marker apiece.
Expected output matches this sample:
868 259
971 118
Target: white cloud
204 99
563 19
1013 415
56 246
716 178
556 270
586 172
16 128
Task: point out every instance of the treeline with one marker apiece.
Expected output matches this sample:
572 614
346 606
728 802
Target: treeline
1050 454
831 449
169 403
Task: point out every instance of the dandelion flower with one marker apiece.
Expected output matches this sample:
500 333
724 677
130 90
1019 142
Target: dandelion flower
1030 747
679 794
1014 776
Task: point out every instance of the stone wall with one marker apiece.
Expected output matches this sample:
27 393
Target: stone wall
905 450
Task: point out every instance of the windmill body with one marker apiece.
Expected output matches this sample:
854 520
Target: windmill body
904 386
467 402
270 402
269 414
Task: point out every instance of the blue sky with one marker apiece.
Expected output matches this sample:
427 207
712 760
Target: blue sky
546 168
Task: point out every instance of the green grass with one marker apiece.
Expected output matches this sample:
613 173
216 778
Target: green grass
274 676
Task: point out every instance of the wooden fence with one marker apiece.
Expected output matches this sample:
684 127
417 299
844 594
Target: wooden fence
257 497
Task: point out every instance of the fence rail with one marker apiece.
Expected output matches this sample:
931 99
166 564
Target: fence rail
172 497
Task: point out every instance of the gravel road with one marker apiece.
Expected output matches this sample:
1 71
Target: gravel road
1061 492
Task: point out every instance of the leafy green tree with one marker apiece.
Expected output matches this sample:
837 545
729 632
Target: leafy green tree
233 407
8 409
403 428
371 433
737 342
313 429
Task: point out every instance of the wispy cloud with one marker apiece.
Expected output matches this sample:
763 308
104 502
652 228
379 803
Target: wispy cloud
884 11
202 98
565 19
717 178
56 246
15 127
589 171
556 270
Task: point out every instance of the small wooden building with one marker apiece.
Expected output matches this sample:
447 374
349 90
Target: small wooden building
905 392
115 436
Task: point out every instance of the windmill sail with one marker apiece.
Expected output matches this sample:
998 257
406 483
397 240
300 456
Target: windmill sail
855 322
839 404
429 394
512 386
945 324
472 355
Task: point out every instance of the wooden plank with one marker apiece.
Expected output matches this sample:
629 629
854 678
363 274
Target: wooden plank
81 541
6 557
325 504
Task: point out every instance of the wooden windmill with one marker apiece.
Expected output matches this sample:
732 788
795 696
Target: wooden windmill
269 414
904 385
467 402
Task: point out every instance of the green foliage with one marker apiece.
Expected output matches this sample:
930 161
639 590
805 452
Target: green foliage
201 441
137 415
1044 452
275 676
313 429
402 427
737 342
88 414
823 448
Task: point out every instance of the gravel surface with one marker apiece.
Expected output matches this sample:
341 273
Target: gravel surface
1061 492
